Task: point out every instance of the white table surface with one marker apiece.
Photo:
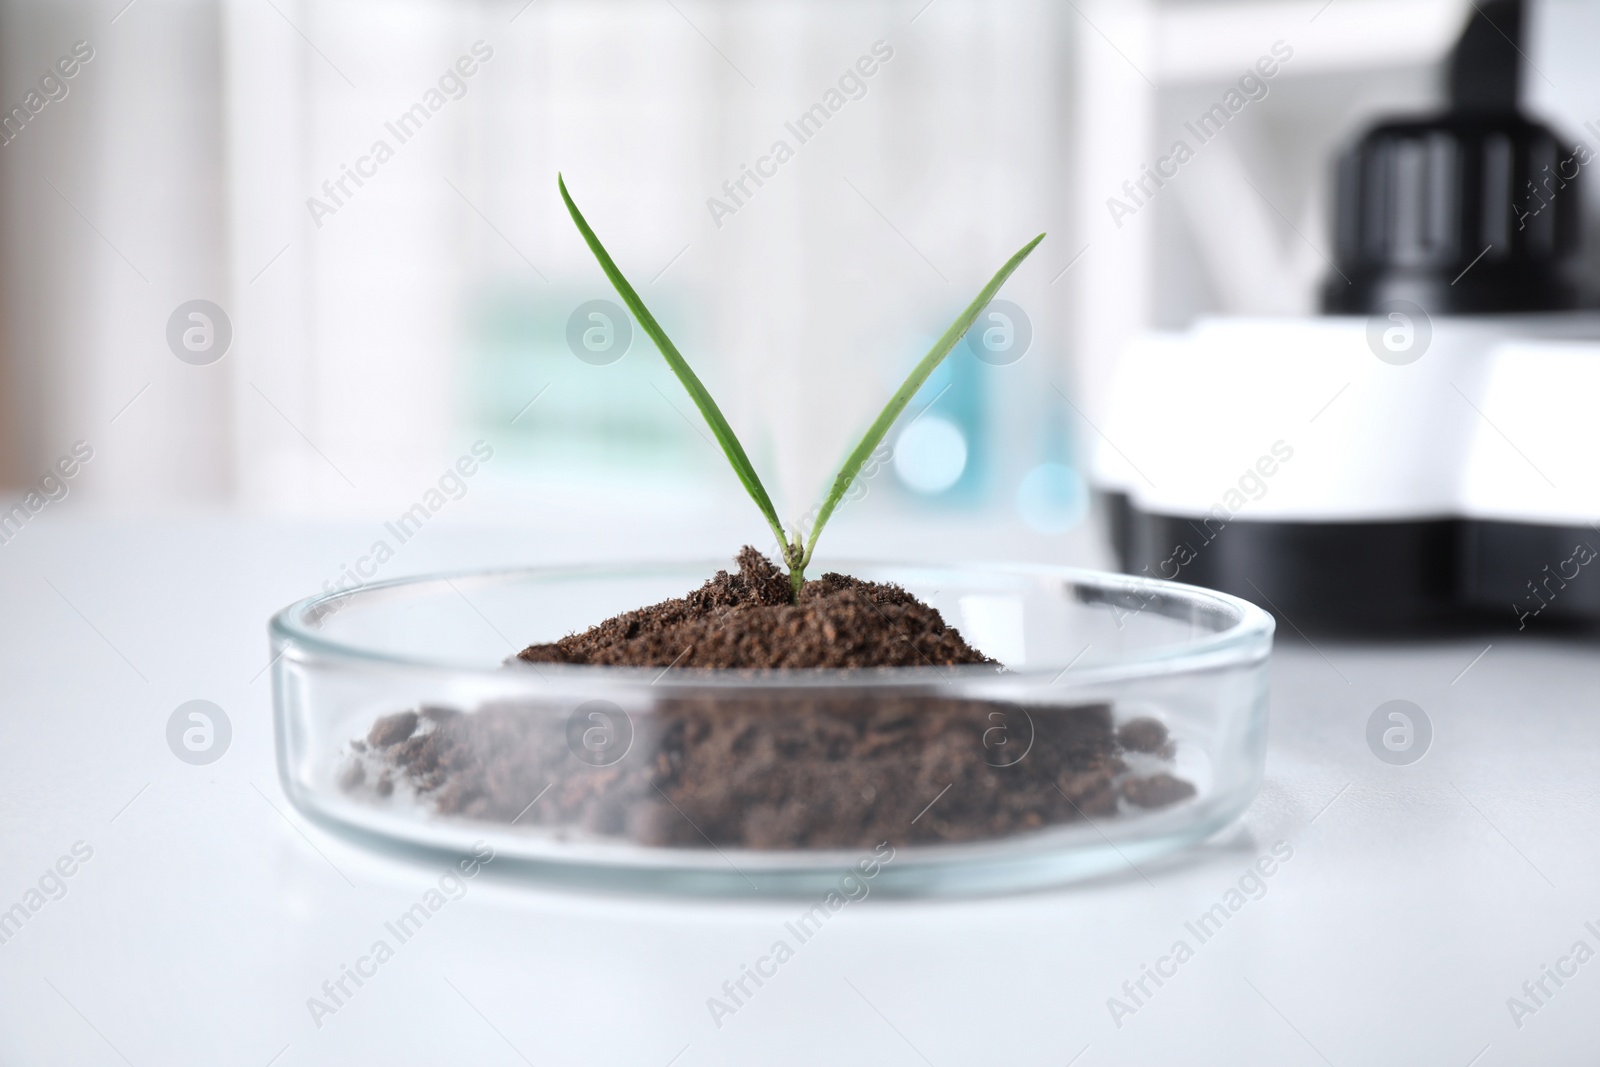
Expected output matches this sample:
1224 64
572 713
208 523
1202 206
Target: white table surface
1418 898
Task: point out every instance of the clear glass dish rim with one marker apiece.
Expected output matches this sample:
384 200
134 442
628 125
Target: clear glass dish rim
1249 639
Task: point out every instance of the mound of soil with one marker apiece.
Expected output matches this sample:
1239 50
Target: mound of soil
793 769
747 620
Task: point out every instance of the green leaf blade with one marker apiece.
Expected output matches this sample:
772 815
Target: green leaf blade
897 403
697 391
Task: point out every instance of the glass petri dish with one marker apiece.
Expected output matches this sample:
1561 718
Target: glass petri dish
1128 721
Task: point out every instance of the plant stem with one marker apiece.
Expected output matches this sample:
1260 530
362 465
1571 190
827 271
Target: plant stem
794 555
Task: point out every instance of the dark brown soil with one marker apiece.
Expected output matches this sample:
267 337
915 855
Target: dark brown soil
747 620
1157 791
786 769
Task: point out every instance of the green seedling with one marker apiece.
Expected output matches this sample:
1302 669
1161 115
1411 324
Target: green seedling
797 548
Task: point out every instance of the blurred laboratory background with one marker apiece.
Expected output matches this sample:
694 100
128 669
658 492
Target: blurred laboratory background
379 310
